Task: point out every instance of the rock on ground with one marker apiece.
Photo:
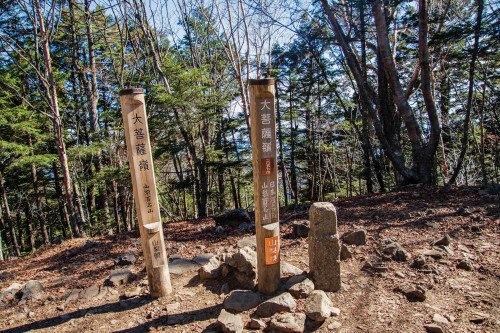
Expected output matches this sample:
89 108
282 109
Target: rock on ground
355 237
289 269
232 217
345 253
244 267
256 324
229 323
289 322
413 293
202 259
280 303
10 292
181 266
249 241
445 241
210 270
433 328
241 300
318 306
125 260
31 291
302 289
120 276
244 260
301 228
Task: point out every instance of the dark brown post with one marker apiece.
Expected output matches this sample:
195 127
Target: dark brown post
265 180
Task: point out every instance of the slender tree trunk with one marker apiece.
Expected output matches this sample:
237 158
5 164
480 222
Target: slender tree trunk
38 199
293 174
8 217
63 213
123 208
280 144
76 221
20 230
115 206
29 226
465 139
1 248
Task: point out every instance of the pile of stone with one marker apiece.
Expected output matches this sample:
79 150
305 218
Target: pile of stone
280 312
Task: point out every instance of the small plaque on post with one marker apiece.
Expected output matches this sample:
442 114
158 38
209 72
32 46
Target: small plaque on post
267 166
156 250
272 250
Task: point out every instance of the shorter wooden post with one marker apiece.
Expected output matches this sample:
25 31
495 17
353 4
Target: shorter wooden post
265 180
146 199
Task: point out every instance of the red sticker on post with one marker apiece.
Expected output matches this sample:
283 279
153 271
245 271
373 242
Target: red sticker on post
272 250
267 165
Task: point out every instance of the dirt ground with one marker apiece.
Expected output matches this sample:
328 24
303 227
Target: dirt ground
415 217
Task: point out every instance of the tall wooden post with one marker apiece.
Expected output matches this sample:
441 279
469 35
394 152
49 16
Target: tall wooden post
265 180
143 181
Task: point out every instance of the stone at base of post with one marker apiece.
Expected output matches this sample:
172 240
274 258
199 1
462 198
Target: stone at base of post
324 247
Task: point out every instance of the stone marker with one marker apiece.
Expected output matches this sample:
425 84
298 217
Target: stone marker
324 239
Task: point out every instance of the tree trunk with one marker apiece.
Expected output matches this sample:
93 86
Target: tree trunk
293 174
115 206
63 213
367 94
465 139
20 230
280 144
29 226
8 217
38 199
76 221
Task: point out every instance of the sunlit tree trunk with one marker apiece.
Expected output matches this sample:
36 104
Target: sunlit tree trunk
76 221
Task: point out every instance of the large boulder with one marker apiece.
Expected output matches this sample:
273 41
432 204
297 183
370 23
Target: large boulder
233 217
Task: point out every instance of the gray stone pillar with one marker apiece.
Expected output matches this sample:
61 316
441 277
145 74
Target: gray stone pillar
324 247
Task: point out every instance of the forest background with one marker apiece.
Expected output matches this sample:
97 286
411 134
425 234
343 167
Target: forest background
370 95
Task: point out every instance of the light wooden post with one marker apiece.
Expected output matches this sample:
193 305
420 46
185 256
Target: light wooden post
265 180
146 199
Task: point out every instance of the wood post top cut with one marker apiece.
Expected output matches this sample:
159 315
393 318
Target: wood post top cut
128 91
262 82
